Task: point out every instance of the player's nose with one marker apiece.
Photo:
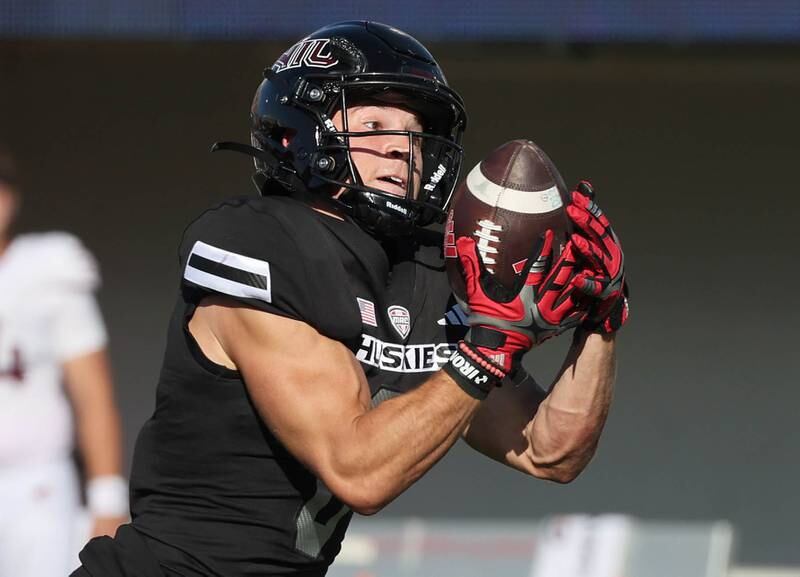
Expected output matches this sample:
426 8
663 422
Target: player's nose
397 147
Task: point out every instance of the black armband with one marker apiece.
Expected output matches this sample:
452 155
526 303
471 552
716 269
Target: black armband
476 375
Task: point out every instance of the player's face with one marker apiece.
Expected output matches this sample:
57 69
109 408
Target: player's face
8 203
382 161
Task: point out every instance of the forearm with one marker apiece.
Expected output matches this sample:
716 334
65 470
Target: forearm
395 443
99 444
564 432
318 405
88 382
98 435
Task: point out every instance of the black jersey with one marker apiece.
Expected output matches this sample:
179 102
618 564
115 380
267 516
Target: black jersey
213 490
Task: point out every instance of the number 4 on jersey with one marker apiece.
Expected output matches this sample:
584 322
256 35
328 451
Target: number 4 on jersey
317 520
11 366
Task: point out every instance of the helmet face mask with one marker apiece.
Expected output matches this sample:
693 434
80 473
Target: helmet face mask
333 70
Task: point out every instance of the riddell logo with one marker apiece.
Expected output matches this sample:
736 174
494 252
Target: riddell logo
437 175
396 207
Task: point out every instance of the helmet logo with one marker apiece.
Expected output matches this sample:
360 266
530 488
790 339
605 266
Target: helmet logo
397 207
435 178
314 53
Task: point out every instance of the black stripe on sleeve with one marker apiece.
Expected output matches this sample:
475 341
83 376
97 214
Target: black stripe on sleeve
228 272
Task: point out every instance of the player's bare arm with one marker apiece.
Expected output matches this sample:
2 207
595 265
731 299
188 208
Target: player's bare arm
551 436
89 386
312 393
555 436
88 383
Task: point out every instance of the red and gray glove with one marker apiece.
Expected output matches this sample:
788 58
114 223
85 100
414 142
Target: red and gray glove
506 323
604 281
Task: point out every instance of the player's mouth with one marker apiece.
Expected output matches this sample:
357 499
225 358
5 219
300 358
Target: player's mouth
392 184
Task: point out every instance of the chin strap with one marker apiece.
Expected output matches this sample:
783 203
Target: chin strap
275 169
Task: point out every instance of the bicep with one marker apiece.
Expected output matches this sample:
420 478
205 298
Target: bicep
87 380
308 389
79 341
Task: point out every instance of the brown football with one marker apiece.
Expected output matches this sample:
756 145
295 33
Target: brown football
506 203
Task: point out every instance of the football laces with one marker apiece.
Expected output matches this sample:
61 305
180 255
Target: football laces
486 235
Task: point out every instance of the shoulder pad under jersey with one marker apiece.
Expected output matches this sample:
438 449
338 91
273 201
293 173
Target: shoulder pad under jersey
271 253
59 260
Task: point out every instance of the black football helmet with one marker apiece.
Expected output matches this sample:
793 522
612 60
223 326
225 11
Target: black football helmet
295 142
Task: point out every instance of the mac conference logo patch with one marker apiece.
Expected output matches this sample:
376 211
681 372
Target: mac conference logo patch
400 319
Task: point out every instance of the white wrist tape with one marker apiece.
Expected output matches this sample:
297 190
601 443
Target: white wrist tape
107 496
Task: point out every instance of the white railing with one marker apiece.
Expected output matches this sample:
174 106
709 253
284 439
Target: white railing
565 546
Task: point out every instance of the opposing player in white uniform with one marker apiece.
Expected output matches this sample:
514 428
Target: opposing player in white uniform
55 388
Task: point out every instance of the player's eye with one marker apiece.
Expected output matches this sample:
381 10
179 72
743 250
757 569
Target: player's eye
371 124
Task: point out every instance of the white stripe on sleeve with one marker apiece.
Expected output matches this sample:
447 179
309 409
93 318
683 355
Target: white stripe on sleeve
227 285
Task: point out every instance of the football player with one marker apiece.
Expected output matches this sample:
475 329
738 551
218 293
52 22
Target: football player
315 365
52 342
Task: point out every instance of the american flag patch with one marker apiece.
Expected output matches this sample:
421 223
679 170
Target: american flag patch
367 309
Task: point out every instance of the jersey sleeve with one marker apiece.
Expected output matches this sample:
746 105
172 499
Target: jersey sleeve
66 262
71 275
250 255
78 327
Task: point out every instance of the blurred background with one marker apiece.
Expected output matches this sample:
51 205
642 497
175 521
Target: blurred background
683 113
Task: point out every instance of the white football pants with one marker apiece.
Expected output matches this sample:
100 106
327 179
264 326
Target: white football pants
39 511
